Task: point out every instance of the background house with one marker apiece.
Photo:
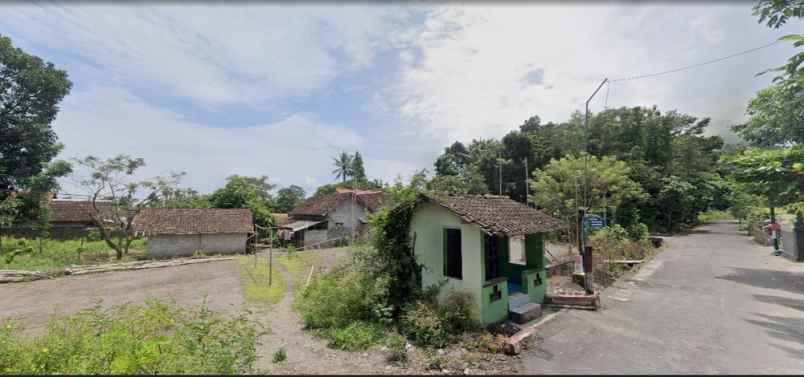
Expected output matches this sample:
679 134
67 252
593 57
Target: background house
328 219
489 246
183 231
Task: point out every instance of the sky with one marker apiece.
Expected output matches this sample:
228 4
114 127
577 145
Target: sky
278 89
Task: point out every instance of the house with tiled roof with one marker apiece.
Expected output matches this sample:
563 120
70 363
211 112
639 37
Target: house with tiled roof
184 231
489 246
329 219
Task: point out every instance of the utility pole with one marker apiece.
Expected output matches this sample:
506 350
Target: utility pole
526 180
499 162
582 211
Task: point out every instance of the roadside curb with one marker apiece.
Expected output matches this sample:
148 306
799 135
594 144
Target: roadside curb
514 343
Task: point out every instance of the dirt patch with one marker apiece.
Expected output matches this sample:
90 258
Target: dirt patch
33 303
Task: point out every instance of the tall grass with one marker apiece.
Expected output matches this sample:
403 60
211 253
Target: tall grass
25 254
155 338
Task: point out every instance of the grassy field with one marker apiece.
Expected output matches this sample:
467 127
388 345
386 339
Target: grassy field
254 281
25 254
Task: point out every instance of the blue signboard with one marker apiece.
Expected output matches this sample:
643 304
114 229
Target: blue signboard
593 222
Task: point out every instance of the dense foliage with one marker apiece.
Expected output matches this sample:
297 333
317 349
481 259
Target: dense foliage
666 154
247 192
155 338
289 197
30 92
46 254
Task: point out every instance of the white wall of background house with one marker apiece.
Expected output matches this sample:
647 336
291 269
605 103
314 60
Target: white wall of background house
171 245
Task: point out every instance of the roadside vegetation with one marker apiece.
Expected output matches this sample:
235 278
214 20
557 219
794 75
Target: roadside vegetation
155 338
254 282
374 299
613 246
47 254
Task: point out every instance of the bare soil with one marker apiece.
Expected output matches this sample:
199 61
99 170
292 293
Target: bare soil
33 303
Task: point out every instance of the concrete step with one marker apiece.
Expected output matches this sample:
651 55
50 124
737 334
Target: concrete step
525 313
517 299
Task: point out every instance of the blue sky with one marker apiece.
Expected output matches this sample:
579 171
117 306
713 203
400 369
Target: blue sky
278 90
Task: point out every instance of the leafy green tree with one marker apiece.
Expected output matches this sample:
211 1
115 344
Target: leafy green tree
777 174
289 197
558 188
401 192
775 116
169 195
247 192
112 179
358 171
343 166
31 90
776 13
448 184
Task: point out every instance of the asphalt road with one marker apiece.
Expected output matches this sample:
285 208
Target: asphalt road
711 302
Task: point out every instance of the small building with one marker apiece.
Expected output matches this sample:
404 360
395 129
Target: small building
73 218
489 246
174 232
329 219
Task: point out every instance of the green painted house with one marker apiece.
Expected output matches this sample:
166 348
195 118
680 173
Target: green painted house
489 246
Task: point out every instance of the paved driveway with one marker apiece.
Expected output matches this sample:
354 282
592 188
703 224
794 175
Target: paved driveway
712 302
34 302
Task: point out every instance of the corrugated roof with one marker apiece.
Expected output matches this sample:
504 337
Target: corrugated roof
302 224
193 220
497 214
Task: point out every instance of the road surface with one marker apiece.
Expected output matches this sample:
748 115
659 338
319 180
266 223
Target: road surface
712 302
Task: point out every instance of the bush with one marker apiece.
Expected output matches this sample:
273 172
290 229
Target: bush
156 338
55 253
422 325
714 215
359 335
397 347
427 323
280 355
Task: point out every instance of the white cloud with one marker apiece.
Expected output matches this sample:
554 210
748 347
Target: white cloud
107 121
469 80
210 54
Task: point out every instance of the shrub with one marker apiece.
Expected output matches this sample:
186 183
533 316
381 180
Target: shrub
359 335
397 347
422 325
154 338
427 323
486 342
279 355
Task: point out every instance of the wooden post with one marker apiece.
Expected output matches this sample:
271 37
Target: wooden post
270 257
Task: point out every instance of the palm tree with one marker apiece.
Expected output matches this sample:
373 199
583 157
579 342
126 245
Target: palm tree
343 166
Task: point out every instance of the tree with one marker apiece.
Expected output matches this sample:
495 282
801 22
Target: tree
400 192
169 195
558 188
448 184
776 116
30 91
777 174
343 166
289 197
776 12
112 179
358 171
247 192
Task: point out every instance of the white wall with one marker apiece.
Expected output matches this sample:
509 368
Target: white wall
169 245
427 224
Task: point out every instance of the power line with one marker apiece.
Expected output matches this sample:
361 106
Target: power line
695 65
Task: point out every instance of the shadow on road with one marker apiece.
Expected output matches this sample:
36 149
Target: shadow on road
771 279
783 328
783 301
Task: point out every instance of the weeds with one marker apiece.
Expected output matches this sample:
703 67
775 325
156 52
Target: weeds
155 338
24 254
280 355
